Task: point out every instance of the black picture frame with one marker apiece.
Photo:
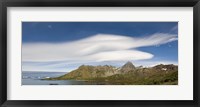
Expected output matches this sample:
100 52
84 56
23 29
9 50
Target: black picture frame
99 3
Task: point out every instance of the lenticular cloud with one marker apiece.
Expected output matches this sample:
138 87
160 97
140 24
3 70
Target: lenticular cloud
100 47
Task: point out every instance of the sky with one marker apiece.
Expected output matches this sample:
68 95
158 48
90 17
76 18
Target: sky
64 46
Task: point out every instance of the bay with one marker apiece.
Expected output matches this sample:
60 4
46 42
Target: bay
35 78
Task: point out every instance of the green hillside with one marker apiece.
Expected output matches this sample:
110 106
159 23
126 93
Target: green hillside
128 74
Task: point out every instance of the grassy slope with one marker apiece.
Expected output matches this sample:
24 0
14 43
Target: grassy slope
170 78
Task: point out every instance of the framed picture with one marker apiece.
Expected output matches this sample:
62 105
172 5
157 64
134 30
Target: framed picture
100 53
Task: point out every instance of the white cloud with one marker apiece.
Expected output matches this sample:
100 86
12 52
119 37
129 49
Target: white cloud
101 47
114 46
49 26
121 55
175 28
68 66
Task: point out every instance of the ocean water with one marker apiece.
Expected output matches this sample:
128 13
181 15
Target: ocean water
35 78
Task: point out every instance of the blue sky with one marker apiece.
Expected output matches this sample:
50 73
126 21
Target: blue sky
63 46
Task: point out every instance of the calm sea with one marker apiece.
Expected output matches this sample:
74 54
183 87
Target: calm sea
35 78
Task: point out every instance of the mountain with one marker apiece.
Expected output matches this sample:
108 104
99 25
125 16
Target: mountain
127 74
162 67
88 72
127 67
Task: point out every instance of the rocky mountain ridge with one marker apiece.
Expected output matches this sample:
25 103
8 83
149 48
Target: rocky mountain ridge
88 72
